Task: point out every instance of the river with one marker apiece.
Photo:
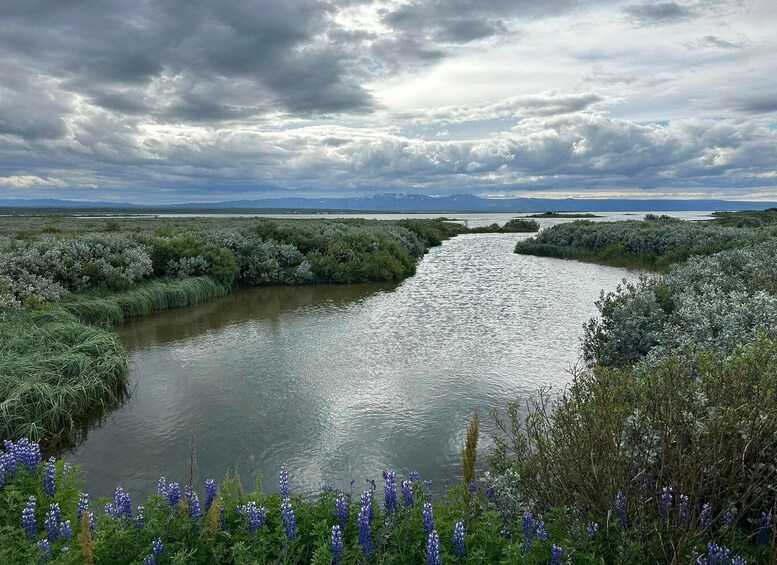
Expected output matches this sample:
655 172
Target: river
340 382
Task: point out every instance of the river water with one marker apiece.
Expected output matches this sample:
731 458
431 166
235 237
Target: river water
340 382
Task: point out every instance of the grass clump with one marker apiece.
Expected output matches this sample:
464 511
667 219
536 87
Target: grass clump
54 372
109 309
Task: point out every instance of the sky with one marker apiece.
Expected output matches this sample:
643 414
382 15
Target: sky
204 100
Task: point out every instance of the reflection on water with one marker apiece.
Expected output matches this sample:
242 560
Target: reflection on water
341 382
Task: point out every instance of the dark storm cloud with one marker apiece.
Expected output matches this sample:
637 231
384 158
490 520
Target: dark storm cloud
143 57
758 104
658 13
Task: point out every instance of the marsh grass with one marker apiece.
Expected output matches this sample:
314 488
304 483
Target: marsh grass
108 309
54 370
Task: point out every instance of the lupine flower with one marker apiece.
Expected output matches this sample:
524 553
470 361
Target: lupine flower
667 500
428 517
66 530
433 549
173 495
109 509
505 533
28 519
289 520
414 476
593 529
337 545
540 531
341 510
556 554
621 508
490 493
764 527
122 505
283 481
149 560
473 487
717 555
2 474
527 527
49 475
390 492
365 532
157 547
161 487
52 522
45 550
256 516
428 483
705 516
407 493
458 540
210 493
194 505
682 506
728 517
366 500
140 519
83 505
23 452
326 487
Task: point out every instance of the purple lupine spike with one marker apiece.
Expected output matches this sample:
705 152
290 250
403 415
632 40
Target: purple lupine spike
122 504
161 487
390 492
44 546
705 516
157 547
621 509
458 540
407 494
337 545
327 488
140 519
53 521
433 549
764 528
719 555
473 487
49 476
66 530
593 529
283 481
149 560
256 516
414 476
289 521
341 510
28 519
682 506
540 532
528 528
729 516
427 514
194 505
556 554
83 505
365 531
366 500
667 501
173 495
210 493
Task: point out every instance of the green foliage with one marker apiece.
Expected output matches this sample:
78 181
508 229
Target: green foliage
516 225
706 428
656 243
191 256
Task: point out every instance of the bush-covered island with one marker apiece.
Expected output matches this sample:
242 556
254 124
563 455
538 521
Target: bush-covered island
662 450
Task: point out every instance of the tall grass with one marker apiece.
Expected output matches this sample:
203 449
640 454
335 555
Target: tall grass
107 310
54 371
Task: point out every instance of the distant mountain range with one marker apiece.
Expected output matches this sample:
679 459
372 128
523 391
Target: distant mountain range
404 203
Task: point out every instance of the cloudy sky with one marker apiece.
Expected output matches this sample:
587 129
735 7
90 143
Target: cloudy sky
182 100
